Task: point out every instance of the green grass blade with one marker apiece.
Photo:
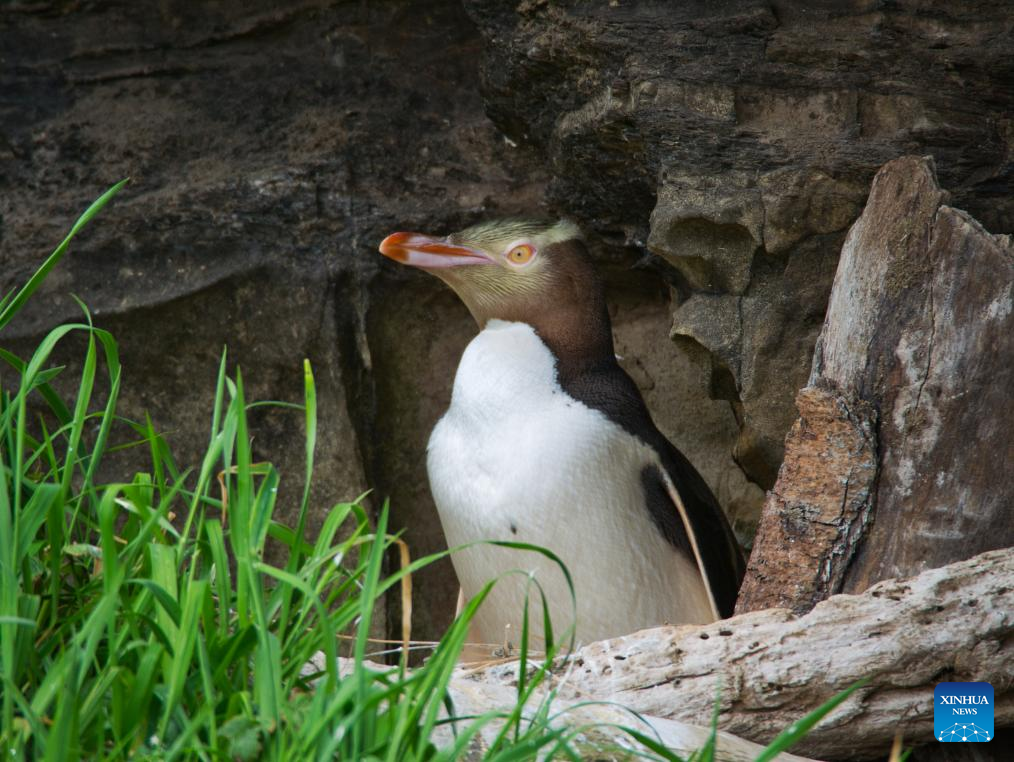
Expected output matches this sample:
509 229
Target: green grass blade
10 588
112 358
361 732
55 402
62 740
296 546
797 730
15 304
183 648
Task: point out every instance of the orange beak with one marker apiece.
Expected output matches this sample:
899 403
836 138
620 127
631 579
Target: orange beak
423 251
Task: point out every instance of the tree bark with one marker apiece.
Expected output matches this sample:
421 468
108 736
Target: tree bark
819 506
767 669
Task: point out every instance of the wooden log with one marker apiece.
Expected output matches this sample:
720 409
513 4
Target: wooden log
602 725
819 506
768 668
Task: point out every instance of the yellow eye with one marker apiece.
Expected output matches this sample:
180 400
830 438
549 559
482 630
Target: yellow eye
521 254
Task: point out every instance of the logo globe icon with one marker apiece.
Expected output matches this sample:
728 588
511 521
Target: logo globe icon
964 732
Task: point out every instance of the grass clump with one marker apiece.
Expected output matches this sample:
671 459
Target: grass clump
141 618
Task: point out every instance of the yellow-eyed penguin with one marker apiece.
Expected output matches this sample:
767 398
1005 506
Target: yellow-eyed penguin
548 441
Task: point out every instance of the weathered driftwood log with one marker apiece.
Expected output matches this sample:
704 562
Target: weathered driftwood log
900 460
601 722
472 696
768 668
818 507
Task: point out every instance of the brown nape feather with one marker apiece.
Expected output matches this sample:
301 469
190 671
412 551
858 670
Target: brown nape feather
569 313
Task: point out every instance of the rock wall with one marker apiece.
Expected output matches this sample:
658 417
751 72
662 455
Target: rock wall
716 152
737 141
271 146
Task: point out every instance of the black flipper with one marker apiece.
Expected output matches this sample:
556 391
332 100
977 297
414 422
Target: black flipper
679 500
712 542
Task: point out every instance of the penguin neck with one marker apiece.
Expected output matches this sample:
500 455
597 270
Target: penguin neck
578 333
581 339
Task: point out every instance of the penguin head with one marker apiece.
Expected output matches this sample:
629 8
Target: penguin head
513 269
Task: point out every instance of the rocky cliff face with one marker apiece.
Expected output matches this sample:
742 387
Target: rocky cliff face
737 141
721 148
271 146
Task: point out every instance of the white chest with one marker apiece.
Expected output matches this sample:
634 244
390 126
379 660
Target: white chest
516 458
